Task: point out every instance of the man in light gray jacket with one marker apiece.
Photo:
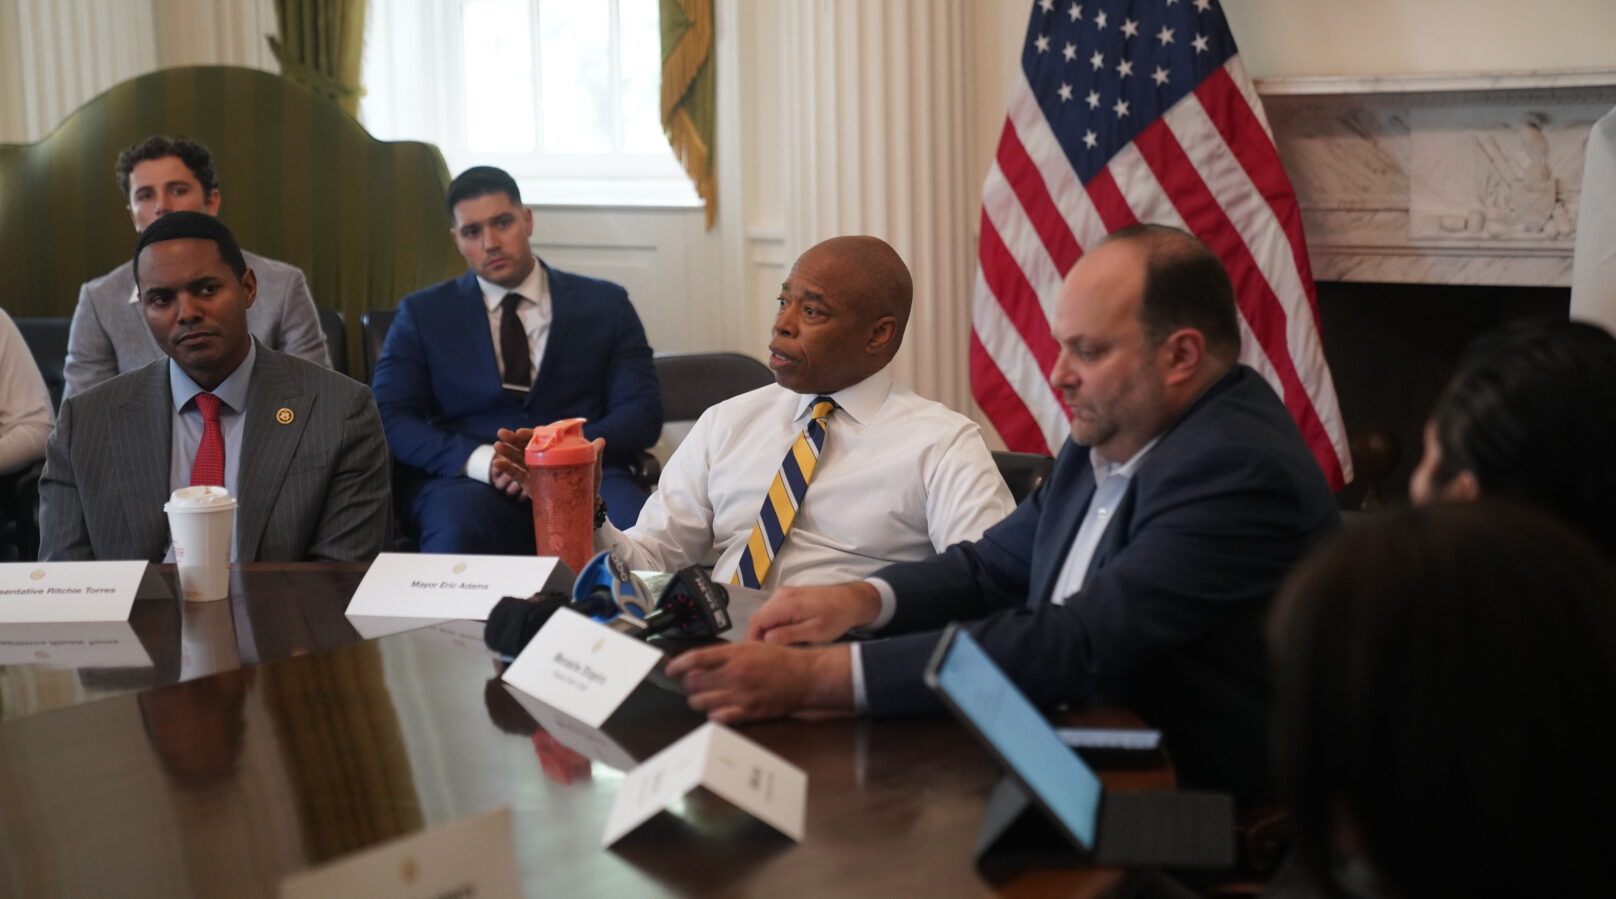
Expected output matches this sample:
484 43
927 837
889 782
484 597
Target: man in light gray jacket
157 176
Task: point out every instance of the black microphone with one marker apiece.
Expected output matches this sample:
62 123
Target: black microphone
513 621
691 607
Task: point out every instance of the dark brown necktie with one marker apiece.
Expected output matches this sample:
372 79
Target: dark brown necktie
513 346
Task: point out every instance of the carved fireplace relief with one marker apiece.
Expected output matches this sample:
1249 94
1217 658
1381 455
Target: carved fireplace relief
1462 179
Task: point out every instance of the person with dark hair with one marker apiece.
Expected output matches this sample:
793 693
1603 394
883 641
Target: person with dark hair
1530 416
298 446
510 344
1138 573
1443 681
157 176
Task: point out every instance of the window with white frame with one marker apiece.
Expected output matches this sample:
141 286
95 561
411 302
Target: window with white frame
563 94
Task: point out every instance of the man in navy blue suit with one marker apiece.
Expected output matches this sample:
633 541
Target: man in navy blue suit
510 344
1138 573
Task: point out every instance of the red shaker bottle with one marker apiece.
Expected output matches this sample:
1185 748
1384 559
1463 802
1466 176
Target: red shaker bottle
561 481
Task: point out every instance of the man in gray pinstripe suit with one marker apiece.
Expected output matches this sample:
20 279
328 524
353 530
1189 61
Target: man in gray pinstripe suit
302 447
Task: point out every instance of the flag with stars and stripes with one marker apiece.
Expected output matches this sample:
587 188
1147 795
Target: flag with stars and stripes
1127 112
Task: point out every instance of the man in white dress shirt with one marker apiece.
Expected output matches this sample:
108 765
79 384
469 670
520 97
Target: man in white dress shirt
898 478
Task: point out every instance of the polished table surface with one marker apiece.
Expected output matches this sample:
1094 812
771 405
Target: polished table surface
274 611
317 743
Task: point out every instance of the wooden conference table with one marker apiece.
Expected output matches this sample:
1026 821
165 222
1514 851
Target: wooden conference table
267 735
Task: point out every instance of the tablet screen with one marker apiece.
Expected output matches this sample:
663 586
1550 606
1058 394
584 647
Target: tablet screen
1020 736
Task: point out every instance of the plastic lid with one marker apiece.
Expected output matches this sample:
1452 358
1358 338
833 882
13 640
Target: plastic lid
201 498
560 443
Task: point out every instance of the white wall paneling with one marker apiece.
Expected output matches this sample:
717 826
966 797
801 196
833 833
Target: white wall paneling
767 264
723 289
660 257
875 140
67 52
55 55
210 33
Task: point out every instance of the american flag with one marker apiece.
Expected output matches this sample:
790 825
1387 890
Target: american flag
1129 112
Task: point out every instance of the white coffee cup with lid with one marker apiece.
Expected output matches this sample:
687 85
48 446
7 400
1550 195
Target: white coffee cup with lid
201 521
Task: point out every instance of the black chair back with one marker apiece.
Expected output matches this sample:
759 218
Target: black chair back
1023 472
47 340
336 339
19 514
691 382
376 324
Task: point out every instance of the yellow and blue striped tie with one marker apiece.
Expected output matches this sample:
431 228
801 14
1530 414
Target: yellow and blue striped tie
784 499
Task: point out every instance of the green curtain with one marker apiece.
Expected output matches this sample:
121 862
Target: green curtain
689 106
321 45
301 181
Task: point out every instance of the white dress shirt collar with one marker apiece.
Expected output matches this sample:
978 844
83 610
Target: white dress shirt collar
860 402
534 287
1104 468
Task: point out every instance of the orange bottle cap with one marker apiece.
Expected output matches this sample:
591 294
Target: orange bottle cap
560 443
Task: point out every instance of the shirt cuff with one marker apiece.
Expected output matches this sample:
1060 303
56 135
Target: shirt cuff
889 606
855 654
479 460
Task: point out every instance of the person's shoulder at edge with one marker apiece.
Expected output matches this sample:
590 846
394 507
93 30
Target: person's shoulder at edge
121 276
317 377
901 399
264 265
1252 415
744 408
584 281
118 387
1245 431
430 292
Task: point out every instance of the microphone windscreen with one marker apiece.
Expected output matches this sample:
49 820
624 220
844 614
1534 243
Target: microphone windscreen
513 621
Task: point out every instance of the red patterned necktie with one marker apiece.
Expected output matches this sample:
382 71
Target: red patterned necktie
209 466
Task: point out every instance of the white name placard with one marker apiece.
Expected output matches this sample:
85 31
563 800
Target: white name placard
88 644
410 585
75 591
581 667
473 857
734 768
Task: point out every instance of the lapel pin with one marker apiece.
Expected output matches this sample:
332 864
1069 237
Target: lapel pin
284 416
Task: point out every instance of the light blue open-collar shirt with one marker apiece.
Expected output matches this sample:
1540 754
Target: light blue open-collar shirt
187 428
1111 481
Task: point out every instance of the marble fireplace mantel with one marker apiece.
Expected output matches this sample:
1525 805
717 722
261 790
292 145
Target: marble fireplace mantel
1449 179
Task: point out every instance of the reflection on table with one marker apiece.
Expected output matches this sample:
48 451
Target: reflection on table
274 611
326 744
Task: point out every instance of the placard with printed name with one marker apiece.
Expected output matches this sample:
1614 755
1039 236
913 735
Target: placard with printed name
428 585
75 591
751 778
472 857
581 666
